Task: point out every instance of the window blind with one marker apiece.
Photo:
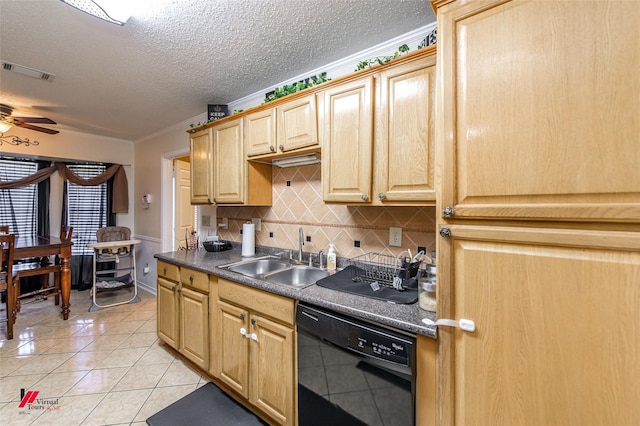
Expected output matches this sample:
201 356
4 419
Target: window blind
86 207
19 206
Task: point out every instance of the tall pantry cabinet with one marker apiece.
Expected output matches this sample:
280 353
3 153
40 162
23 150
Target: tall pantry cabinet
538 158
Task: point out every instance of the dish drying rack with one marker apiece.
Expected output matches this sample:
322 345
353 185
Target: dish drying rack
385 270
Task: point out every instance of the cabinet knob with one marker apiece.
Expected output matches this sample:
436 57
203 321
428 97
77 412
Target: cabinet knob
241 316
179 291
381 195
190 278
281 148
253 321
365 197
272 148
215 201
164 271
174 287
445 232
447 211
209 201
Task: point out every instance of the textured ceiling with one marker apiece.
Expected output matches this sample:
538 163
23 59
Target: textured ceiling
174 57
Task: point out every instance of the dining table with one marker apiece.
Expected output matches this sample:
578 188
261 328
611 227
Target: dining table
35 246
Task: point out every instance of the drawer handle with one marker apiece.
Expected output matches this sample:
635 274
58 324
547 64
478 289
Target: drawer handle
190 278
164 271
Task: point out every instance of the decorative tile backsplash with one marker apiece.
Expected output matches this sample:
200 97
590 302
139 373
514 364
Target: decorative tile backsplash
300 204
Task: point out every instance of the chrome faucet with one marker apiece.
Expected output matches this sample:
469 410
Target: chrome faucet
320 253
300 244
288 252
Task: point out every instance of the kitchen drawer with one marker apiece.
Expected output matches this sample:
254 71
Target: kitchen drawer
194 279
272 305
168 271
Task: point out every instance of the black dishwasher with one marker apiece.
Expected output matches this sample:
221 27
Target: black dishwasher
352 372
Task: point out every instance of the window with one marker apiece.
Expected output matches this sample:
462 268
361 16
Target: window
86 207
19 206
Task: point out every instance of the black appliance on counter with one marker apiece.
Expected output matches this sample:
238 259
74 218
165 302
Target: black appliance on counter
352 372
218 245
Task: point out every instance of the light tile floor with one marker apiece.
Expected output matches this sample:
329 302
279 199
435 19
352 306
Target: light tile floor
97 368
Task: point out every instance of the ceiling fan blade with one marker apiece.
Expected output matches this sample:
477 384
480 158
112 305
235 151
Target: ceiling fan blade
39 120
36 128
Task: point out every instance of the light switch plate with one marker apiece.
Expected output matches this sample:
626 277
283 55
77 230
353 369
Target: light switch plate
257 222
395 237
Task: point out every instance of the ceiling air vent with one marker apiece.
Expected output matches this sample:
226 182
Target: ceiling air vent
29 72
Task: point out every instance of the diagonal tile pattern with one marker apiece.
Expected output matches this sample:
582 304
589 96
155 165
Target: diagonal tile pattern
297 202
98 368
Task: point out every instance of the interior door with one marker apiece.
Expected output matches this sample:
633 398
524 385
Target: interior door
184 211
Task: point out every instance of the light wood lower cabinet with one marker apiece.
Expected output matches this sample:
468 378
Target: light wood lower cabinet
256 348
557 338
183 312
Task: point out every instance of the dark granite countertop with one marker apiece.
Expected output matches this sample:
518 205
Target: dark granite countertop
404 317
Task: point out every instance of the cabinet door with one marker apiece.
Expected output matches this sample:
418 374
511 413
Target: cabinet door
168 312
272 369
194 326
347 142
229 160
556 314
538 114
404 145
260 132
233 347
297 124
201 154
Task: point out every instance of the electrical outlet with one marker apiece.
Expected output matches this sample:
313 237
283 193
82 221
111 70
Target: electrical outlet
421 248
206 220
258 223
395 237
224 223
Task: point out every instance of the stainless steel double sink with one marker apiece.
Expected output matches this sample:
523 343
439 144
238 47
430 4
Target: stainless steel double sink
278 271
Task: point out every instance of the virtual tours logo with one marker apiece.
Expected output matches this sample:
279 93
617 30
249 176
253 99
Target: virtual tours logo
31 402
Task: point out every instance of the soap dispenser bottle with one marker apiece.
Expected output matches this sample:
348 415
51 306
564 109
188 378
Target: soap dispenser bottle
331 258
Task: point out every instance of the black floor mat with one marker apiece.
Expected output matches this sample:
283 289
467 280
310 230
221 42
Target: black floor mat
208 405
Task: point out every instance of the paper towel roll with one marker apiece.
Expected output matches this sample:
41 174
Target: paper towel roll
248 240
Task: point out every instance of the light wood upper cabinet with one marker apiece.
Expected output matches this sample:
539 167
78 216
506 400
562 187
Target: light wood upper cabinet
404 136
260 132
377 135
540 110
297 124
556 314
346 121
201 153
236 180
229 162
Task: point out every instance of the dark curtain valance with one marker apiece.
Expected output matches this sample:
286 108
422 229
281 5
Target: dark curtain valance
120 185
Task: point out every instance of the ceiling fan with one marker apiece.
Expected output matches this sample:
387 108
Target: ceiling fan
25 122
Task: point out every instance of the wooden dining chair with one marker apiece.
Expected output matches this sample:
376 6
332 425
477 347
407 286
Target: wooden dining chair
4 229
41 268
7 242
